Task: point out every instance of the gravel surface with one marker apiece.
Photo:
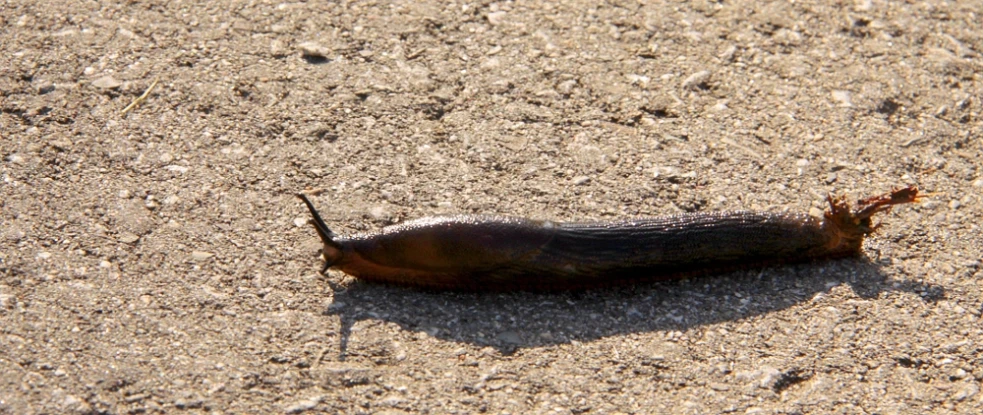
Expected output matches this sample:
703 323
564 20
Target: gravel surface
154 260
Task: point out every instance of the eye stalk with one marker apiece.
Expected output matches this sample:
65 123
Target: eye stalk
331 249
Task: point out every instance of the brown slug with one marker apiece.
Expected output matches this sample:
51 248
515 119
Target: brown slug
494 253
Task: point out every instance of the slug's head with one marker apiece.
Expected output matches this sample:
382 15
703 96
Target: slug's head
332 249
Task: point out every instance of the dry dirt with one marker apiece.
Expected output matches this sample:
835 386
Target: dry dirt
155 261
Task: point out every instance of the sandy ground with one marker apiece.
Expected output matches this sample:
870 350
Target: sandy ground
155 261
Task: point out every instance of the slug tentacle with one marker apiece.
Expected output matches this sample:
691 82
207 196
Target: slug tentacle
327 237
495 253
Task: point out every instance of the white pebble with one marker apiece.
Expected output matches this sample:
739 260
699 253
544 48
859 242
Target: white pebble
496 18
201 255
696 81
304 405
313 49
842 97
7 301
107 82
128 237
378 213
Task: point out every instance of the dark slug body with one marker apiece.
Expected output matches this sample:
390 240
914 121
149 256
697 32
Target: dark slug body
491 253
497 253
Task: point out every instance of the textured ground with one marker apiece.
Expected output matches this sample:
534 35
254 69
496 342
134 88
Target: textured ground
155 261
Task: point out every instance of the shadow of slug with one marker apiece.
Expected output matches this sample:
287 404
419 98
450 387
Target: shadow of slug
512 321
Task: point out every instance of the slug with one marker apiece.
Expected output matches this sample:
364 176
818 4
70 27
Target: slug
495 253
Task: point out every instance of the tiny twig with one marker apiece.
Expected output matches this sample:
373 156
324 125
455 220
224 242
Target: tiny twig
139 99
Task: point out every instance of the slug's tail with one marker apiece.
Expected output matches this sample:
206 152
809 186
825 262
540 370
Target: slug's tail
872 205
323 231
856 223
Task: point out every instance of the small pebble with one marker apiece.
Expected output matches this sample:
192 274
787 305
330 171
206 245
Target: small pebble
393 401
313 49
201 255
300 222
720 387
70 400
44 255
107 82
842 97
954 204
188 403
830 178
45 87
7 301
175 168
696 81
62 144
966 392
496 18
304 405
580 180
728 53
566 87
128 237
277 47
640 80
379 213
490 63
